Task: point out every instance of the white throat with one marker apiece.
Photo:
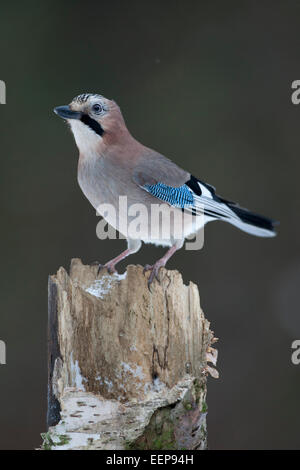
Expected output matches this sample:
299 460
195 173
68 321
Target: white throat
86 139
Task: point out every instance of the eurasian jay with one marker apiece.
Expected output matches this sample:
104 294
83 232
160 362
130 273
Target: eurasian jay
112 163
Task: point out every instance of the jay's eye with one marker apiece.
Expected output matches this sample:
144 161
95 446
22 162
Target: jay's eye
97 108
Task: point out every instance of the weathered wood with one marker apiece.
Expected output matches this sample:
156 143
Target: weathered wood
127 367
53 412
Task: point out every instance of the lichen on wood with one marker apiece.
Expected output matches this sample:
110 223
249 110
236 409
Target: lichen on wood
127 366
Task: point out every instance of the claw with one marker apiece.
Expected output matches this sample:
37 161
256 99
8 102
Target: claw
100 267
154 273
151 278
147 267
110 268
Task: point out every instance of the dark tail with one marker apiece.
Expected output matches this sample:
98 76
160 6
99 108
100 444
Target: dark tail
252 223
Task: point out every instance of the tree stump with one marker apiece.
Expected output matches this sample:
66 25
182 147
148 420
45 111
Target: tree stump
127 366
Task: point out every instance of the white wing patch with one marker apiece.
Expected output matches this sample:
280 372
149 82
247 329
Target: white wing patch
205 191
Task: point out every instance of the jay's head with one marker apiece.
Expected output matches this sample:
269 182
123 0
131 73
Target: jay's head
93 120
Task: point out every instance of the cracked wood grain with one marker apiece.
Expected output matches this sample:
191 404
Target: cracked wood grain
127 367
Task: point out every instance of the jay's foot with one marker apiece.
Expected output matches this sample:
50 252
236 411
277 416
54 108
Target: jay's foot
159 264
109 266
154 271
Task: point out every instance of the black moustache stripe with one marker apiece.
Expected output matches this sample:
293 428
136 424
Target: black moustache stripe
94 125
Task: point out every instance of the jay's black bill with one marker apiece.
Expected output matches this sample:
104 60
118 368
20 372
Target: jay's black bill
66 112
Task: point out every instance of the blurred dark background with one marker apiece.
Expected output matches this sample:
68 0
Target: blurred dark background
209 85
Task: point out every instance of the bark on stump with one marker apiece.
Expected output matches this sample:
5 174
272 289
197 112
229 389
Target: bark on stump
127 367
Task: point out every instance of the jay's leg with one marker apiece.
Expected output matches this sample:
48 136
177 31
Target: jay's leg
133 247
161 262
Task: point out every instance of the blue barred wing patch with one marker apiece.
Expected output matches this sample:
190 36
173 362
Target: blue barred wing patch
179 197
